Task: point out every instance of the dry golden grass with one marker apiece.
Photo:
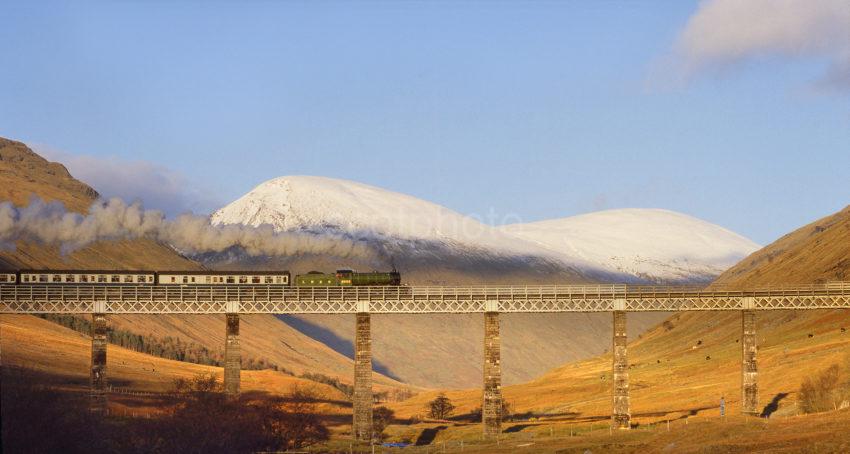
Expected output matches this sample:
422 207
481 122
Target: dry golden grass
823 433
47 347
670 375
817 252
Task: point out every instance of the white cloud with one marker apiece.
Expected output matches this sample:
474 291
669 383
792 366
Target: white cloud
723 33
155 185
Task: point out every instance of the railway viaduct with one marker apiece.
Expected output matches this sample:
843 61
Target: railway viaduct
363 302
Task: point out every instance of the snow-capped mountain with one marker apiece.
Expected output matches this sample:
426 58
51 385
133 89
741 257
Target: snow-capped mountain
650 244
319 204
428 242
416 235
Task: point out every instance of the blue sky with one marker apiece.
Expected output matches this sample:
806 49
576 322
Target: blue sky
502 110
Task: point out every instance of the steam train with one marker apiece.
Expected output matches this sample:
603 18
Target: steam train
342 278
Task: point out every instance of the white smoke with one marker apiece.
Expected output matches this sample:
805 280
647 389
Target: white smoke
50 223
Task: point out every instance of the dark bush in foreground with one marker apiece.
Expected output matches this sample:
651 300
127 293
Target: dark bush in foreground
381 418
200 419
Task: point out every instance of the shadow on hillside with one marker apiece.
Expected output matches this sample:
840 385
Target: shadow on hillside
773 405
329 338
517 428
686 413
428 435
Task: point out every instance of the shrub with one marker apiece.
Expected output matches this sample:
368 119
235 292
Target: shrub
381 418
822 392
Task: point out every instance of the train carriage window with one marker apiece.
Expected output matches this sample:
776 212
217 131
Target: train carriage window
42 278
269 280
243 279
255 279
116 278
3 278
70 278
128 278
193 279
84 278
56 278
185 279
207 279
173 279
101 278
230 279
141 279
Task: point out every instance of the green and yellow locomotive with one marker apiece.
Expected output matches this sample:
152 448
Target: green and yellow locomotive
346 278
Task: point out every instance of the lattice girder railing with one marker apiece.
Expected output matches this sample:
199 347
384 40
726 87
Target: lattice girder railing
276 299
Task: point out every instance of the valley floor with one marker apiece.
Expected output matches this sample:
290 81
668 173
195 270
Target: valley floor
819 433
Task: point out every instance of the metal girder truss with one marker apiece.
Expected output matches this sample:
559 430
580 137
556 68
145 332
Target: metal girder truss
277 299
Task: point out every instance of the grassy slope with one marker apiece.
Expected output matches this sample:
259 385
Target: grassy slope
60 352
672 376
823 433
23 173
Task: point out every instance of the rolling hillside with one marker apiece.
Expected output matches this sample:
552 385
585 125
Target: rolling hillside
683 367
23 172
817 252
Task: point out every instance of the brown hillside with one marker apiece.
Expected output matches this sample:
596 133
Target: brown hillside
817 252
63 354
23 173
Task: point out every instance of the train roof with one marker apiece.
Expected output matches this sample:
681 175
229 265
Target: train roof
224 272
31 271
189 273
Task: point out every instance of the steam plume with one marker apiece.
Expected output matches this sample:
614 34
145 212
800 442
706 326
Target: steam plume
51 223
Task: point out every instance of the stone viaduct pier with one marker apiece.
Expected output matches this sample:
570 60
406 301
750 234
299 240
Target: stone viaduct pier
363 302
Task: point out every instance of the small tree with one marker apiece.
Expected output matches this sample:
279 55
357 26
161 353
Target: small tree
441 407
381 418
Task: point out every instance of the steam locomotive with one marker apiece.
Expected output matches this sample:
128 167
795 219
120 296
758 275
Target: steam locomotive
342 278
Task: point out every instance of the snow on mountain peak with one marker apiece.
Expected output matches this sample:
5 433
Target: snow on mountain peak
319 203
650 243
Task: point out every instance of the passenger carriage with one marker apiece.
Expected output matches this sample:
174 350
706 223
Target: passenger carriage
209 277
82 277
